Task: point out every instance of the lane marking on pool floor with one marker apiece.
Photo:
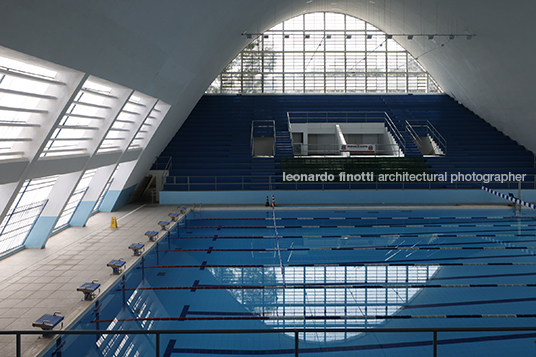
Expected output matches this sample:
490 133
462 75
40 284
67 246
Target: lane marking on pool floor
318 317
326 286
371 264
210 249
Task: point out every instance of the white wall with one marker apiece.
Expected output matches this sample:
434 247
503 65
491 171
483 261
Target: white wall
173 49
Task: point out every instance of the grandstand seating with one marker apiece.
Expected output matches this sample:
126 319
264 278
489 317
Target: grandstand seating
212 150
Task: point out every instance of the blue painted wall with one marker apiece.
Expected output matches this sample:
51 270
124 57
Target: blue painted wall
40 232
115 199
82 213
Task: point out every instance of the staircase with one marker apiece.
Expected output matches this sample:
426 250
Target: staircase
283 144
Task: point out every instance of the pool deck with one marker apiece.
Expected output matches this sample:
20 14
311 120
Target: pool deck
42 281
35 282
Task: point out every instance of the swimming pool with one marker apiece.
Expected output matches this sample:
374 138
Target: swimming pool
327 268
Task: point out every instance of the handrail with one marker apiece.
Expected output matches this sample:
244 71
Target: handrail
434 341
169 164
394 130
338 116
430 131
441 140
289 128
414 135
168 167
274 141
251 141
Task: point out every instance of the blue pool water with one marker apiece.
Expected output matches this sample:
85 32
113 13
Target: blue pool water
342 268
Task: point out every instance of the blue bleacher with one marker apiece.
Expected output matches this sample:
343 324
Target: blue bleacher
212 150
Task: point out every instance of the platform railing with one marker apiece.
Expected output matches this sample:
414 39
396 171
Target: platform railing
335 117
334 150
348 117
434 331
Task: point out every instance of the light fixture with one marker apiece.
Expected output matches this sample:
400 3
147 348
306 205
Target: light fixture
348 36
248 36
410 37
468 37
328 36
389 37
430 37
266 36
287 36
307 36
452 37
369 37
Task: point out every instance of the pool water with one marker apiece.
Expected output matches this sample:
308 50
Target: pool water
327 268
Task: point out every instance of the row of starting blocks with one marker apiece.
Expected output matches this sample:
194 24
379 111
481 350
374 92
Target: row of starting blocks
139 248
92 289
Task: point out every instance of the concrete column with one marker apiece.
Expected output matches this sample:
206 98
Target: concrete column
117 195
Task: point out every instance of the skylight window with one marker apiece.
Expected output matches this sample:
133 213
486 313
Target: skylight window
82 121
39 100
324 53
23 95
26 208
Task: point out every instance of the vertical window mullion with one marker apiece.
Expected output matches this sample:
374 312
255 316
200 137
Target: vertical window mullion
369 79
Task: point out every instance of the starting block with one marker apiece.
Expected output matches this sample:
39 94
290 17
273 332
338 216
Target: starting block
182 210
152 235
163 224
174 216
89 290
116 265
137 248
48 322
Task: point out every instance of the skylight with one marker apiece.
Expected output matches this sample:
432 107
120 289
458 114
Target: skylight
324 52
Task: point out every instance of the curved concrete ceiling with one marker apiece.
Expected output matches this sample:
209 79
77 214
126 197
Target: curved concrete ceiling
173 49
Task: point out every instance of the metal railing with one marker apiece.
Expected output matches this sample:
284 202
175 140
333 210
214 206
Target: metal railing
348 117
245 183
430 130
414 135
381 150
391 127
167 165
434 331
336 117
